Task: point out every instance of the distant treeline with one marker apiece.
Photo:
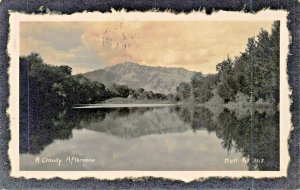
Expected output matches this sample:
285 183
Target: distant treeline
48 85
255 70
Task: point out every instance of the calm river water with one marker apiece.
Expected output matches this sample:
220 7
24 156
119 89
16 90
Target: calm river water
150 138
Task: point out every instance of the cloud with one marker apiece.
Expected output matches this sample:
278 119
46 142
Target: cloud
194 45
58 44
58 34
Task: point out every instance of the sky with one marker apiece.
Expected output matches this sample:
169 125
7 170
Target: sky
87 46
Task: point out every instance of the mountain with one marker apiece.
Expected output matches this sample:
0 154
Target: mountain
155 79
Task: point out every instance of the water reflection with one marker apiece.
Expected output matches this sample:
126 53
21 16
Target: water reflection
259 141
181 137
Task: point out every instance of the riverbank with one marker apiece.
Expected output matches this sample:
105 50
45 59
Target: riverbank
215 106
126 102
135 101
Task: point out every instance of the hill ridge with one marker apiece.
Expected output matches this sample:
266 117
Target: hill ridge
153 78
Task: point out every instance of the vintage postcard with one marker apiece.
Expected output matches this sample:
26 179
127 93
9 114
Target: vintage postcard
133 94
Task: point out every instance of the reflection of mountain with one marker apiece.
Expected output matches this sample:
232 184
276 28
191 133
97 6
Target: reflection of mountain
135 124
157 79
257 140
45 127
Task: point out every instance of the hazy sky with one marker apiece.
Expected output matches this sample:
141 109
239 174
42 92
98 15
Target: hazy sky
86 46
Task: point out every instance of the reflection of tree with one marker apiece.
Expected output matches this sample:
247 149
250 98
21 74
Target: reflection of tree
40 127
42 130
237 133
265 134
202 118
199 118
184 113
47 124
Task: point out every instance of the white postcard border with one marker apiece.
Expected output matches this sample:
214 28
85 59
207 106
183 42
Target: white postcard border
13 110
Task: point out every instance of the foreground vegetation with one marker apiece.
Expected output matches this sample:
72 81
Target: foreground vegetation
54 86
255 70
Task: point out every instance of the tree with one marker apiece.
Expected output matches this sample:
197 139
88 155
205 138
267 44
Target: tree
202 86
256 69
119 91
65 69
184 90
227 88
225 67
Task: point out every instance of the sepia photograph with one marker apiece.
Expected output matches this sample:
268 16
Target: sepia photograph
129 95
149 95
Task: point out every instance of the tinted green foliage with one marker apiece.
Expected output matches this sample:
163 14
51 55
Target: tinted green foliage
55 86
203 86
142 94
46 90
184 91
256 69
119 91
